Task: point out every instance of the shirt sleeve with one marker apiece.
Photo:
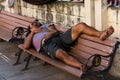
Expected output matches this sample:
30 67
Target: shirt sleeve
45 26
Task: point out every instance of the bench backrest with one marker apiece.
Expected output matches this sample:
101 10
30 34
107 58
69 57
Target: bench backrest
11 20
8 21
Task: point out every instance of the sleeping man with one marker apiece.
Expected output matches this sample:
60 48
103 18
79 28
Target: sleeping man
56 44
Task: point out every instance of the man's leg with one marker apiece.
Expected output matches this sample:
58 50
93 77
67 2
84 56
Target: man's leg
83 28
53 50
70 60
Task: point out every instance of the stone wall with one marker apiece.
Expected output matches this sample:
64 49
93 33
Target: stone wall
2 4
114 20
62 13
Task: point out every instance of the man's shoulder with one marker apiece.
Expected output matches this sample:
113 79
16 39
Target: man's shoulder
45 25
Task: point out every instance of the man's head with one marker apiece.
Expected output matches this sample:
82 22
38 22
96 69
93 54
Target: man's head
35 24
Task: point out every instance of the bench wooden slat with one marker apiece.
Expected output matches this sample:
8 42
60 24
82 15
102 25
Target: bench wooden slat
90 50
85 56
14 20
28 19
105 42
4 34
95 45
8 21
83 60
6 38
55 63
13 24
5 26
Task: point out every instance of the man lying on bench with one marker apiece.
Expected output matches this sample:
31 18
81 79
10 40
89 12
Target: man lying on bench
56 44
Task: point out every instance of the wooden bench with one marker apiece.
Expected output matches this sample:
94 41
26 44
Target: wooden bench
8 21
88 50
84 48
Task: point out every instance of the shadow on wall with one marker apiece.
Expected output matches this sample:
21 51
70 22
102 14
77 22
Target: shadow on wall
1 1
39 2
1 6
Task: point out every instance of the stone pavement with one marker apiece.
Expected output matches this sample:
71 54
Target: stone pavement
37 70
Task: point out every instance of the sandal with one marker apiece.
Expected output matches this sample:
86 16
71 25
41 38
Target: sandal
106 33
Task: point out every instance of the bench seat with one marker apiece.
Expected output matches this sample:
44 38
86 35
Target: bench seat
53 62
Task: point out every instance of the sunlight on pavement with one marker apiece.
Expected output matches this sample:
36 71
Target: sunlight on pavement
5 58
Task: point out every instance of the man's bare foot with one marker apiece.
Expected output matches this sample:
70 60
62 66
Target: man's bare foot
106 33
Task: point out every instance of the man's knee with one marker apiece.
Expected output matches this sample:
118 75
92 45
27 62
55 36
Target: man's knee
81 26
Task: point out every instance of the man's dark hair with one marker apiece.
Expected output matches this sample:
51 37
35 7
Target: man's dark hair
36 23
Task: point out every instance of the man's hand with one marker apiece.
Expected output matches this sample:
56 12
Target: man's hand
51 34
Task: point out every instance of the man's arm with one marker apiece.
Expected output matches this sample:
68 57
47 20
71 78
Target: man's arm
28 40
52 28
52 31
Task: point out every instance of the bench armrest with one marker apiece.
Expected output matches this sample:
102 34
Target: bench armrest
95 61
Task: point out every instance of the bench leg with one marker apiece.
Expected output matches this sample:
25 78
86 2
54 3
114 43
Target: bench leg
25 59
27 62
18 58
35 59
17 53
